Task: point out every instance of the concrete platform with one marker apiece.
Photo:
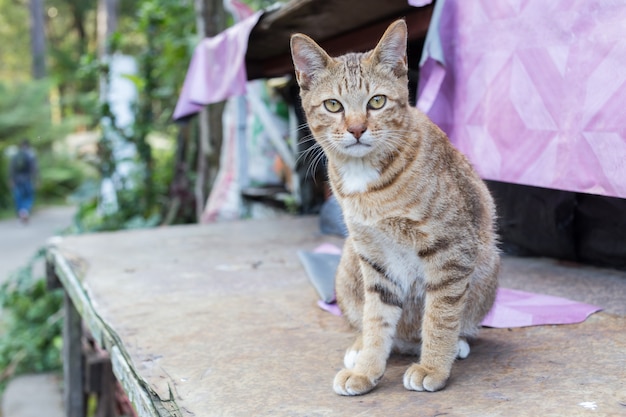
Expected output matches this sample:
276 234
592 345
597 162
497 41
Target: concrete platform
221 320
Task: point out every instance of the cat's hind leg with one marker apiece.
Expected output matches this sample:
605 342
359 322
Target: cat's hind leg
463 348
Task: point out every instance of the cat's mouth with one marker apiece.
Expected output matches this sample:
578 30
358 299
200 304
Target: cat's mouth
358 144
357 149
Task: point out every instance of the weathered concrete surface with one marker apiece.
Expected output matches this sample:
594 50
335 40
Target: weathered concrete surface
222 318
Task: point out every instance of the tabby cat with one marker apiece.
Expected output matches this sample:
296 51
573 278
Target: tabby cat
419 268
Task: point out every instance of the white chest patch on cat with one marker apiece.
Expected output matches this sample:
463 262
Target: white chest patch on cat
356 175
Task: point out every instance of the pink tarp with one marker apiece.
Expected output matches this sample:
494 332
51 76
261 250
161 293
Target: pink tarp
217 70
532 91
512 308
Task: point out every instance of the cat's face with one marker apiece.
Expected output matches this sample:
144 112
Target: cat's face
355 104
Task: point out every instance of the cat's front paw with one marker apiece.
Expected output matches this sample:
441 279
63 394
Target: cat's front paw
348 382
418 378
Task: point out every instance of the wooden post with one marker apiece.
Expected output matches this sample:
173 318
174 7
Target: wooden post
52 279
73 366
100 380
210 20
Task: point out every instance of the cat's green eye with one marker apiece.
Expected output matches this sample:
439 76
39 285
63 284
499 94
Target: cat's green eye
376 102
333 105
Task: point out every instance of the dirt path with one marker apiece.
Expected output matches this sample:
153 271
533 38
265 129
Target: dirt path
19 242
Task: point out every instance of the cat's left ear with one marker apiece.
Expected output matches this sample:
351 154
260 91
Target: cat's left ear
391 49
308 59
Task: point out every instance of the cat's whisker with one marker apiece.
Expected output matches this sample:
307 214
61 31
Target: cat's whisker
308 162
295 133
299 128
313 167
309 153
307 139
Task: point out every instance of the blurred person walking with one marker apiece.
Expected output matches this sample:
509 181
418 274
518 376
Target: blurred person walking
22 176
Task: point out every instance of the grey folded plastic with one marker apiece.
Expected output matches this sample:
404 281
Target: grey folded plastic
321 268
331 218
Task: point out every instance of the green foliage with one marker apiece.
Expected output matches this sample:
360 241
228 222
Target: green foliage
31 324
25 113
61 175
161 38
71 36
262 4
14 63
90 219
130 214
163 41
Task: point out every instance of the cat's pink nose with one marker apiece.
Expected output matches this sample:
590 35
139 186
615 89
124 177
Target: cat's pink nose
357 130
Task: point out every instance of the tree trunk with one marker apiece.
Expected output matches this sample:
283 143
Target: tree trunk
106 23
77 9
211 20
37 38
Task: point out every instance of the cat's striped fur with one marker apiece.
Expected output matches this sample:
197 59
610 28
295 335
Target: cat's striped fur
420 265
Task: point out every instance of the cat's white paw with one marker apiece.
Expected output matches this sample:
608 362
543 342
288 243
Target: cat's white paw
463 349
349 359
420 378
347 382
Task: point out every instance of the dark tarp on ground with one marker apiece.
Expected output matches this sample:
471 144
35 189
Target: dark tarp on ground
561 224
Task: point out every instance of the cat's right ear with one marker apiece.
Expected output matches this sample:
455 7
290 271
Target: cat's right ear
308 59
391 49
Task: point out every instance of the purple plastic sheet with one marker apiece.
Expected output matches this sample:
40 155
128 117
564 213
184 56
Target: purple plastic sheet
217 70
533 92
515 308
419 3
512 308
